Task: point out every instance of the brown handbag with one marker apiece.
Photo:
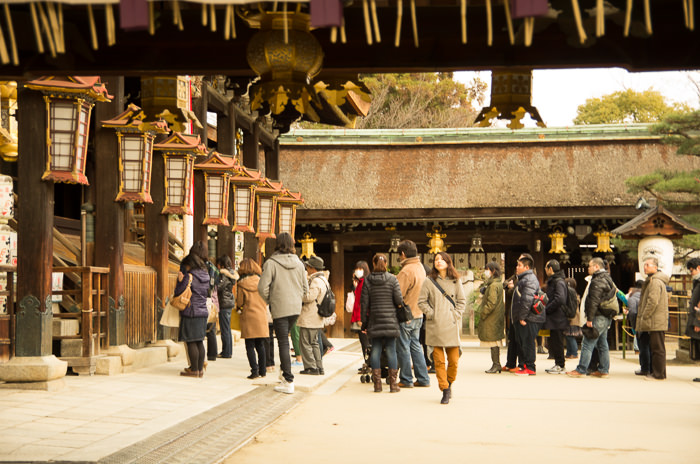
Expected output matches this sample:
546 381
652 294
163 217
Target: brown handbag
182 300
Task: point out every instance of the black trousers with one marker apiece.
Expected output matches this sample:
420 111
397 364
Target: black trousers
514 353
253 345
657 344
556 346
270 347
212 349
282 327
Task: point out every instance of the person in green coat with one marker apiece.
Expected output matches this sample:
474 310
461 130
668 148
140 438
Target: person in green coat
492 317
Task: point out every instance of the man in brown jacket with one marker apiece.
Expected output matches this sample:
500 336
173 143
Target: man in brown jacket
408 348
652 321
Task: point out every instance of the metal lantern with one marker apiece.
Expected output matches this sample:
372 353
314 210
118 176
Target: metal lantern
244 183
603 237
179 151
394 243
287 204
307 246
557 241
476 244
266 198
135 139
69 102
217 175
436 244
586 257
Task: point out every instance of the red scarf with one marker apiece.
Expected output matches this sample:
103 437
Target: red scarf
356 310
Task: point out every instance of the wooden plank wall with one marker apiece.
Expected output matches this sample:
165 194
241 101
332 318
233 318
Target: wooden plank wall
139 293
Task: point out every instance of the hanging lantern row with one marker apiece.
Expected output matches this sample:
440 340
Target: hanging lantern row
179 151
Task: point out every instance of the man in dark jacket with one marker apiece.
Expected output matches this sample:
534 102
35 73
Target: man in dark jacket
557 323
525 321
600 289
693 328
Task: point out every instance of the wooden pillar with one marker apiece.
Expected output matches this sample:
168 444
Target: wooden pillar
156 237
199 232
272 165
537 250
251 144
35 230
226 140
337 268
110 214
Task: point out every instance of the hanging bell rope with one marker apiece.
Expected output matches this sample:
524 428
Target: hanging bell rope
579 22
93 29
399 20
414 22
11 34
463 16
628 18
509 22
489 23
368 29
375 20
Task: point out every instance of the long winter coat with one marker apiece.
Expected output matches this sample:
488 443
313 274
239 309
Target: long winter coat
523 297
411 279
309 317
652 314
558 295
601 289
442 319
283 284
200 289
693 315
381 294
253 308
492 317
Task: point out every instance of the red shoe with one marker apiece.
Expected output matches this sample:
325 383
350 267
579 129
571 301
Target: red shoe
525 371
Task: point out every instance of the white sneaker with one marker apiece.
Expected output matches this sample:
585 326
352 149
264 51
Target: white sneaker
555 370
285 387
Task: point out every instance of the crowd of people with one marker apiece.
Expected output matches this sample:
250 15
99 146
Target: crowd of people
281 299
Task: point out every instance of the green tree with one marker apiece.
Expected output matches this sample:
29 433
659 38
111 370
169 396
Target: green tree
421 100
682 130
626 106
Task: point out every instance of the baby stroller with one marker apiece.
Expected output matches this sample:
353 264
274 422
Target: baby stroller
366 370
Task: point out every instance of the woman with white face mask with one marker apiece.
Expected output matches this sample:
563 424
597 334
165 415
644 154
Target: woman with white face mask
359 274
492 316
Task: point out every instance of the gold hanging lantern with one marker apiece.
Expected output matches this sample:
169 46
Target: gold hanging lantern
436 244
8 129
511 98
603 238
557 241
307 246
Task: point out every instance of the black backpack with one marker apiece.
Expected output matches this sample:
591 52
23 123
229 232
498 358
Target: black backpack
571 302
326 307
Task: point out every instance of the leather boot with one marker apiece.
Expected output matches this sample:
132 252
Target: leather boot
446 395
377 379
393 383
496 366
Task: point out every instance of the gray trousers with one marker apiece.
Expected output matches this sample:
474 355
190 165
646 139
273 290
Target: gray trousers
310 349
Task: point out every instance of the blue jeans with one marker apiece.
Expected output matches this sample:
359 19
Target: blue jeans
602 324
409 348
387 344
571 346
225 325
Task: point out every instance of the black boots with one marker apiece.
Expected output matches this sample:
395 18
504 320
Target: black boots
496 366
393 381
446 395
377 379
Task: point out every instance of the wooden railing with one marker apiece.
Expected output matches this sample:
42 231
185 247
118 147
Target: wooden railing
7 318
92 299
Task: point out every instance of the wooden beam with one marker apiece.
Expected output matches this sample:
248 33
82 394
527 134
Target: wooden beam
217 102
272 161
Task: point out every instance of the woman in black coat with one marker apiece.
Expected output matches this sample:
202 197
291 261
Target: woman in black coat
381 295
556 322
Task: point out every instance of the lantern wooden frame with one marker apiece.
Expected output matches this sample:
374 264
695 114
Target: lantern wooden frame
265 208
217 176
179 151
69 101
287 204
244 183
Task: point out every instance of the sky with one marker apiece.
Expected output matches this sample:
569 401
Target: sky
558 93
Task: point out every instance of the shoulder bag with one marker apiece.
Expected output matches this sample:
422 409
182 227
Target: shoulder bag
443 292
171 316
403 312
182 300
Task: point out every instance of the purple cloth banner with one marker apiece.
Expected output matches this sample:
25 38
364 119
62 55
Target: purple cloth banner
525 8
326 13
133 15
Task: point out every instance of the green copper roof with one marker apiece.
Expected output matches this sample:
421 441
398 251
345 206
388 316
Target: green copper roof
466 135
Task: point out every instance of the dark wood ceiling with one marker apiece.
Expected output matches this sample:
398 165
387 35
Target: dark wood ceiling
197 50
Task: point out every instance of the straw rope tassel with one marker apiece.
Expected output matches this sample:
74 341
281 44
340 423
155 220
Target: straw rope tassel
286 24
109 15
47 30
529 24
227 22
343 37
151 19
647 16
232 15
685 13
414 22
93 29
334 34
399 20
463 15
177 16
628 18
4 55
509 22
37 30
212 17
11 33
489 23
691 15
204 15
55 29
368 29
375 21
62 35
599 18
579 23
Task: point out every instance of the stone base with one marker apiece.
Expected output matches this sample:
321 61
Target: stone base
175 350
33 369
126 354
109 365
49 386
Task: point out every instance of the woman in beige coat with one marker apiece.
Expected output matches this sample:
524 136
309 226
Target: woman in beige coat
253 311
442 300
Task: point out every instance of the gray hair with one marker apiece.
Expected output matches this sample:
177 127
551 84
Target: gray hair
598 262
654 260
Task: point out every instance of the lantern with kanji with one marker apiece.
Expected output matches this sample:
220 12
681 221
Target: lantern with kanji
179 151
69 102
135 140
244 183
557 237
266 195
217 176
287 204
603 241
